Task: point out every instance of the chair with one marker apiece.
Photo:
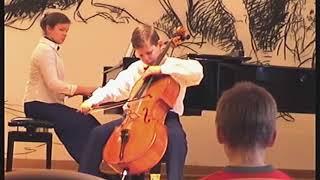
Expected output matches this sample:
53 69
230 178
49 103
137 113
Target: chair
33 133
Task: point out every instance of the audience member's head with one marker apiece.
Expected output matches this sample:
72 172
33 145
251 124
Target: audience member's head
246 126
246 117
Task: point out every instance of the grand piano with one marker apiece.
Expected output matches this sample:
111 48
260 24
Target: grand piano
293 88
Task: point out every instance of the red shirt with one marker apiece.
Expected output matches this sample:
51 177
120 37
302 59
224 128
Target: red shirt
232 172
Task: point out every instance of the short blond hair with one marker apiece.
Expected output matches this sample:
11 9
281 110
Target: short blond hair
144 34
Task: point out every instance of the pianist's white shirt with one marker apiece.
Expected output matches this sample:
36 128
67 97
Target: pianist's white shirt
46 76
185 72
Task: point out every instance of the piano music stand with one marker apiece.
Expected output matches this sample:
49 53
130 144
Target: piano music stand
203 96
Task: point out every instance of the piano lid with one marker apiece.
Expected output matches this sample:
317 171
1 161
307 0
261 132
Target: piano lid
219 58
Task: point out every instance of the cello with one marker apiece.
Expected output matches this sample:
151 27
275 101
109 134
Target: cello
141 140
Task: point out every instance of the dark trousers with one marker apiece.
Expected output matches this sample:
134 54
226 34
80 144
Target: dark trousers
174 156
71 127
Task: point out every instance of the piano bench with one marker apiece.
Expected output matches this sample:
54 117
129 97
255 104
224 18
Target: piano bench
33 133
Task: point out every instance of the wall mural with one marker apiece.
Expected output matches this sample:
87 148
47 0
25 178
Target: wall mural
271 26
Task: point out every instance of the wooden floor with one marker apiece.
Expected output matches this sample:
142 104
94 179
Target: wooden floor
190 172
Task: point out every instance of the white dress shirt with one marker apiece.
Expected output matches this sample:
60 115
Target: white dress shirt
185 72
46 77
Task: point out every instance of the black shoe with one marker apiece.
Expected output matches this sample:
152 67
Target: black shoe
135 177
110 176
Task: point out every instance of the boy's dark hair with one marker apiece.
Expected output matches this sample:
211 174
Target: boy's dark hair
246 116
52 19
144 34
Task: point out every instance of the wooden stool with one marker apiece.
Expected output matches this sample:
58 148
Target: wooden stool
33 133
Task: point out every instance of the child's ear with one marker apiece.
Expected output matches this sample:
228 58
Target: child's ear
220 135
272 139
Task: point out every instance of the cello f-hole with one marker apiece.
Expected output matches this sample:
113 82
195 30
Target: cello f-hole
124 140
146 115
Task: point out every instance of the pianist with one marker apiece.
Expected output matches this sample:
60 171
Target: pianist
46 89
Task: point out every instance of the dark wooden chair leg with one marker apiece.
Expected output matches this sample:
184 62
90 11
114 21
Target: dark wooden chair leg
9 153
49 152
